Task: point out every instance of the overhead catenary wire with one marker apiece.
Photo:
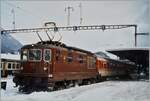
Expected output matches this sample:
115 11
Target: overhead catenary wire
75 28
69 28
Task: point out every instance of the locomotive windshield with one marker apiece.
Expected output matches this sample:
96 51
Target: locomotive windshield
34 54
47 54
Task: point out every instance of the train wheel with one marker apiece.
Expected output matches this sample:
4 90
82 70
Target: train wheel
25 89
21 88
49 89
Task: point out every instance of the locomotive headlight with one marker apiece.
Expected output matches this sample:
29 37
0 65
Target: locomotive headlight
21 68
45 68
50 75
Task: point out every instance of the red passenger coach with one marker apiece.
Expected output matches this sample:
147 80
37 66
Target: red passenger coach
107 67
54 65
101 65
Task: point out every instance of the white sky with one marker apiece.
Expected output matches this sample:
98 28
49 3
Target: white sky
30 14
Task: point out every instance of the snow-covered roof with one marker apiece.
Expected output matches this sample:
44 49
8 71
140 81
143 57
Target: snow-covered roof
10 56
126 49
9 44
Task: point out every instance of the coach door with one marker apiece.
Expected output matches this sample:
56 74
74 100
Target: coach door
47 61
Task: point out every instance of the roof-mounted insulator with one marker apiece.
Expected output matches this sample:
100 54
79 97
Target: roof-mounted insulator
55 29
103 27
75 28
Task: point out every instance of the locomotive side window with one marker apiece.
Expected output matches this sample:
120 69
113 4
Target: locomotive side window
80 59
69 58
24 55
91 62
58 55
34 54
47 54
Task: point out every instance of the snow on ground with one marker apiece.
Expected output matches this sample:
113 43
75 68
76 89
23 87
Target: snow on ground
104 91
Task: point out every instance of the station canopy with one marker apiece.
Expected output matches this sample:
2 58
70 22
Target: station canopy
138 55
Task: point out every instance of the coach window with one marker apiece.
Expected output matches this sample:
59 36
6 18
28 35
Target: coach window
2 64
14 65
69 58
9 65
24 55
35 54
110 65
104 65
18 65
47 54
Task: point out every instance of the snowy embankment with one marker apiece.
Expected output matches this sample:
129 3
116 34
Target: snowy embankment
104 91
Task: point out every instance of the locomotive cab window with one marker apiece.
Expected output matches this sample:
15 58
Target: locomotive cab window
34 54
47 54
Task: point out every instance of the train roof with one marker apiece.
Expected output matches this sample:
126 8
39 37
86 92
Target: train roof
129 49
120 61
130 53
101 54
55 44
102 59
10 60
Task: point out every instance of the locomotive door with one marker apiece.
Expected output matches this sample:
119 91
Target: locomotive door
48 62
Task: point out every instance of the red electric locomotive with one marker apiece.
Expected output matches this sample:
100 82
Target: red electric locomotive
53 65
